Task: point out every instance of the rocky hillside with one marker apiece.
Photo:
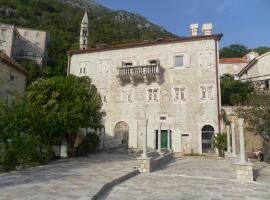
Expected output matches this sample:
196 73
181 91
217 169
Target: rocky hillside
120 17
62 19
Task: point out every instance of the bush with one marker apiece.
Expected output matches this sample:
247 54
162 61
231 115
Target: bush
22 150
88 144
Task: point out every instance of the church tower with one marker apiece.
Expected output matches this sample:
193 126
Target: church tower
84 32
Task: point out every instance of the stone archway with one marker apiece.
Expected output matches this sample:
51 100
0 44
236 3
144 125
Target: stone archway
121 130
208 135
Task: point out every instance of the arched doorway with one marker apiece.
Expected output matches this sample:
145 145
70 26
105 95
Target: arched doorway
208 134
121 131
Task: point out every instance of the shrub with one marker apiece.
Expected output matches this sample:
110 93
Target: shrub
88 144
22 150
221 143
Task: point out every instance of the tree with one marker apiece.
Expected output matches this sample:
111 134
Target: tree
257 114
65 104
234 50
234 92
262 50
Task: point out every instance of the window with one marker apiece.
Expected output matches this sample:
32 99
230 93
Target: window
104 66
127 96
104 96
178 61
127 64
25 33
3 33
12 78
153 95
37 35
206 92
153 62
179 94
83 70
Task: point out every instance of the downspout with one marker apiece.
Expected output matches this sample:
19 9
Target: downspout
218 86
68 68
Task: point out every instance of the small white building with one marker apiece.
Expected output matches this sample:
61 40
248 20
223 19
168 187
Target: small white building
174 83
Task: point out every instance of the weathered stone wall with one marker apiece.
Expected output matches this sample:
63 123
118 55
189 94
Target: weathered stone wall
186 119
8 87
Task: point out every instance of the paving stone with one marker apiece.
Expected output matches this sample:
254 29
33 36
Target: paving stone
194 178
66 179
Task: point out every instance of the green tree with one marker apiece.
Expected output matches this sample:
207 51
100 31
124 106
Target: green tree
262 50
234 50
65 104
257 114
235 92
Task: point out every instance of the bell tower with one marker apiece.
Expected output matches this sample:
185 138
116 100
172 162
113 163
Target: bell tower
84 32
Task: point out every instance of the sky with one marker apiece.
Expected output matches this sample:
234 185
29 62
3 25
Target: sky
244 22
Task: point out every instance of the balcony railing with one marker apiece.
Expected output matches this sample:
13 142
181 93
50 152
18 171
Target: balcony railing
137 72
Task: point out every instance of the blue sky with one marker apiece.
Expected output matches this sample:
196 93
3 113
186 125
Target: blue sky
241 21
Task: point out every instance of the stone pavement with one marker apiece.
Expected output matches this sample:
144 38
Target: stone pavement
194 178
77 178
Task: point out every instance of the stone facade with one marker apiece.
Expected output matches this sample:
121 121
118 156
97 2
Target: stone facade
172 84
22 43
12 78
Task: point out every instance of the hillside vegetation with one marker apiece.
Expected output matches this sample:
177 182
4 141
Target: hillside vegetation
62 19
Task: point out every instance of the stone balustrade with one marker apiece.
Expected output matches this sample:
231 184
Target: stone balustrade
137 72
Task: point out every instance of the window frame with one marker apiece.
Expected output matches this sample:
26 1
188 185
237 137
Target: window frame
179 99
154 95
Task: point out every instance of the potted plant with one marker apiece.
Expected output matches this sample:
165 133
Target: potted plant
221 143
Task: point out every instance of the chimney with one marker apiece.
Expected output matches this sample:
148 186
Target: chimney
194 29
207 29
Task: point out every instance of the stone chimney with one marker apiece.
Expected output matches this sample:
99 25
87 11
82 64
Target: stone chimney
207 29
194 29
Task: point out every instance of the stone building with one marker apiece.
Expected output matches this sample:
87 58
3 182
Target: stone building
24 44
257 71
173 84
233 66
12 78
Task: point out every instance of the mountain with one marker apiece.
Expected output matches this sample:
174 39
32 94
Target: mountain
62 19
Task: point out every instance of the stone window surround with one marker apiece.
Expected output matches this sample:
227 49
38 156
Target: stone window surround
209 95
186 60
104 93
127 95
153 95
180 100
202 58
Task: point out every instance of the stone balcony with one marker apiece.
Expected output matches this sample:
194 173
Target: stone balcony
136 73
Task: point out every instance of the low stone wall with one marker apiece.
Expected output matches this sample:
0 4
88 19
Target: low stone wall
149 164
244 172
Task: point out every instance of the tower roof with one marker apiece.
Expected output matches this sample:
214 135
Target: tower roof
85 18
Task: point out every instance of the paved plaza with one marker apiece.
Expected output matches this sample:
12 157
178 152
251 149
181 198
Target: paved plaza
199 177
78 178
194 178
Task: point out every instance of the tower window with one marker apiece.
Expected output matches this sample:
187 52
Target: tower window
84 41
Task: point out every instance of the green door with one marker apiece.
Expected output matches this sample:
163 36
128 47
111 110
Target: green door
164 139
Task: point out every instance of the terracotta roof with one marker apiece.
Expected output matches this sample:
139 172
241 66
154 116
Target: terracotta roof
146 43
233 60
11 62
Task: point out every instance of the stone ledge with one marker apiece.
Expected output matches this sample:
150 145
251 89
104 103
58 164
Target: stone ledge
147 165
